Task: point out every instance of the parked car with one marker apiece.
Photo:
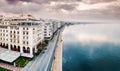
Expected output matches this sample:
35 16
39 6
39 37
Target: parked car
45 48
43 52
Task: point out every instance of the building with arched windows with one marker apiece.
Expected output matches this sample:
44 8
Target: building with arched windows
21 34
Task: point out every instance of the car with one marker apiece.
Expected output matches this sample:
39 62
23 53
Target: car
43 52
45 48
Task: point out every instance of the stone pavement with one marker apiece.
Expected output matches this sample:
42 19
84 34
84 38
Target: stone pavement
57 63
10 67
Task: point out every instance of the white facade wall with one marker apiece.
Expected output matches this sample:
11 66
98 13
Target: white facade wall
50 28
22 38
48 31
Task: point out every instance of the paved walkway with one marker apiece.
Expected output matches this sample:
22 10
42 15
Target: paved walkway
10 67
57 63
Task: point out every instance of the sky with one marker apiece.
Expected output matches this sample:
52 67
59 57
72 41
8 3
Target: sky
66 10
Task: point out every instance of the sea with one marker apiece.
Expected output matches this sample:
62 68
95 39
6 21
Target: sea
91 47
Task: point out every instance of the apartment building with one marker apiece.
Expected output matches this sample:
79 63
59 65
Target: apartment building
48 30
50 27
22 34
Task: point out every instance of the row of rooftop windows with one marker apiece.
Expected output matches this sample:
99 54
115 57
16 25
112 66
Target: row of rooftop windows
27 23
3 23
4 35
14 41
12 27
17 41
3 39
3 30
24 28
14 32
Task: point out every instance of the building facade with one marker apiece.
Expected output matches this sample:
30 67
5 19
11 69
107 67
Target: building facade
22 34
50 27
48 31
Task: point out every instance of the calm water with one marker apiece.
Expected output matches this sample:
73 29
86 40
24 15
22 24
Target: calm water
91 47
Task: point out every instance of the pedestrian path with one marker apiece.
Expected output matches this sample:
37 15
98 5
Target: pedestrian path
57 63
10 67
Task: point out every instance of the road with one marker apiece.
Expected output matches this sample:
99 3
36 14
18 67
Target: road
44 61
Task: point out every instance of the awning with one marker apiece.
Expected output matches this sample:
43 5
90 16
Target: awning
8 55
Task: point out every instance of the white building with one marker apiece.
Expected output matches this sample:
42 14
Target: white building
56 25
50 27
22 34
48 30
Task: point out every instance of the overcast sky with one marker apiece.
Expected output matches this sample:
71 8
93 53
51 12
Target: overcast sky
71 10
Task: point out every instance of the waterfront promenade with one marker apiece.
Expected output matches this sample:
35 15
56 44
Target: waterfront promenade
57 63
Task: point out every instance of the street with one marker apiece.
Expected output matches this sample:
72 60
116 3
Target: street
44 60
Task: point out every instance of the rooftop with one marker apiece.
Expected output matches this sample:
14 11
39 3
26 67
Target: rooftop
8 55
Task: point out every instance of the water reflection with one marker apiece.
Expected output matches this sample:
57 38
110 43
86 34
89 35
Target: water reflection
92 47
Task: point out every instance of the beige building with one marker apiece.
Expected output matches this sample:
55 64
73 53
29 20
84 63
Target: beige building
22 34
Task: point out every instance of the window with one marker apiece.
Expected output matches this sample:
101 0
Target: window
14 36
27 33
23 42
33 28
27 28
45 34
27 42
10 35
18 41
17 32
23 33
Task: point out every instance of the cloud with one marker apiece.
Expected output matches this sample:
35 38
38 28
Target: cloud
15 1
47 1
63 9
97 1
34 1
21 7
68 7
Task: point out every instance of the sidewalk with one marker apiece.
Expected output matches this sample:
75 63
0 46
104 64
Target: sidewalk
10 67
57 63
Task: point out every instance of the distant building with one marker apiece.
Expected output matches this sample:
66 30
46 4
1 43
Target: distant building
22 34
50 27
48 30
56 25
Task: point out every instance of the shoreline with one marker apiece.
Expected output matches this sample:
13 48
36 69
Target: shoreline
57 62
